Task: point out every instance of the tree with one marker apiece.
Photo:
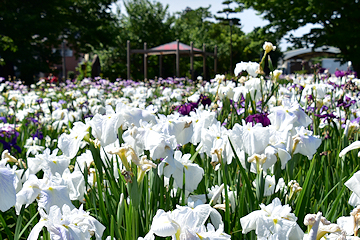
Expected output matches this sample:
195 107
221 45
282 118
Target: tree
148 22
144 21
192 25
230 22
338 19
36 27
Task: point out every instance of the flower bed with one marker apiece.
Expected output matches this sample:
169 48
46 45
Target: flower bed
181 159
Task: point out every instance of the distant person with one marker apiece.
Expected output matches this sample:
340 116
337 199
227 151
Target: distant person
52 79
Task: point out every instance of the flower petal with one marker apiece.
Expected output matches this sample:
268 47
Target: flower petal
352 146
7 189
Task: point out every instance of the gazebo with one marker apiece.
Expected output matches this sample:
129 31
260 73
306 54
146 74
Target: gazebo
176 48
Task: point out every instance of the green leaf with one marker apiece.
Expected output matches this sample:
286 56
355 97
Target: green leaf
112 226
271 67
260 185
193 157
27 225
18 224
5 226
303 197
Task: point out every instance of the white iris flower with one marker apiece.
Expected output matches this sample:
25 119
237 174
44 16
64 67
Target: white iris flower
7 188
68 224
187 223
193 172
273 219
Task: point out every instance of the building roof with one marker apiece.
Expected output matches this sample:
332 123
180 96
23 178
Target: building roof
307 53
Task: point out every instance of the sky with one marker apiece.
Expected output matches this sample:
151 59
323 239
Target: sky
248 18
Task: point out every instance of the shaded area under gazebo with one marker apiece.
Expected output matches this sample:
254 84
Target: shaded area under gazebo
176 48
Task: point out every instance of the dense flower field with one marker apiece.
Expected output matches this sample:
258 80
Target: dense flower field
248 158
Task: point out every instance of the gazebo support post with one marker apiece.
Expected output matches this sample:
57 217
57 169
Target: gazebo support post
215 60
177 59
128 59
172 48
192 61
160 65
145 61
204 61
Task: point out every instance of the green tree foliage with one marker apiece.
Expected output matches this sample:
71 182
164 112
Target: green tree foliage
6 43
231 22
147 21
338 19
150 22
144 21
30 30
195 25
36 27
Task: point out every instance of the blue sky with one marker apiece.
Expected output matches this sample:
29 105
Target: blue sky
249 18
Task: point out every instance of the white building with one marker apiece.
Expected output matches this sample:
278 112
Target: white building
296 60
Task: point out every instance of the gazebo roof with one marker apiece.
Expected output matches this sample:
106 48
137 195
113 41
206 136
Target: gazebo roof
172 47
176 48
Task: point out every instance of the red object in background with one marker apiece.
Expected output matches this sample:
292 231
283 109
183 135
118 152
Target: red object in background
52 79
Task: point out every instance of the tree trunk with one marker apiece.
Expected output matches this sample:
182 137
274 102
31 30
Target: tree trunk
356 67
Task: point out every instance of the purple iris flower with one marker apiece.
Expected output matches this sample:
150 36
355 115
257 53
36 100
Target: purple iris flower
356 120
241 99
322 70
333 84
7 131
3 119
39 100
347 103
310 109
323 108
258 118
38 134
240 111
204 100
327 116
339 73
349 72
33 120
88 116
11 144
186 108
